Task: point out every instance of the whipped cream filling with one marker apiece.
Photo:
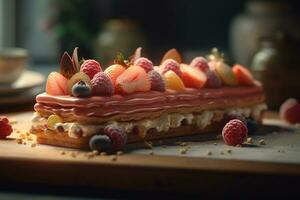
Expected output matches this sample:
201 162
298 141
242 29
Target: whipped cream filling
162 124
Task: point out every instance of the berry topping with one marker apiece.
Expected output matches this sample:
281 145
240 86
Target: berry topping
234 132
81 89
157 82
56 84
173 81
243 75
52 121
100 143
232 116
226 74
102 85
144 63
172 54
90 67
290 111
5 128
192 77
117 136
213 80
200 63
134 79
114 71
79 76
172 65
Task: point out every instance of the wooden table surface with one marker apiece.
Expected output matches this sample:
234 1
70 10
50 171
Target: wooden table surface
258 166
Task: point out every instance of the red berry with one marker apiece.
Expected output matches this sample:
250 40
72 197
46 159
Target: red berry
117 136
243 75
5 128
157 82
90 67
102 85
200 63
290 111
213 81
144 63
234 132
171 64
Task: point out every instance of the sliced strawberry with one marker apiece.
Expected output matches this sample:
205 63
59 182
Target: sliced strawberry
114 71
133 79
243 75
192 77
56 84
172 54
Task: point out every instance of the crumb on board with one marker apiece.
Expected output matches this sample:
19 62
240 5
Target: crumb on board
249 140
238 145
215 143
103 154
114 158
19 140
95 152
222 153
229 151
209 152
183 151
119 153
62 153
262 142
73 154
33 145
151 153
148 145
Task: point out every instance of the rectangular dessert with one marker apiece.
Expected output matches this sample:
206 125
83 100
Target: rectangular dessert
188 103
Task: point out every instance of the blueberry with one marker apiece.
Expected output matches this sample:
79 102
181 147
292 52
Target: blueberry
251 125
100 143
81 89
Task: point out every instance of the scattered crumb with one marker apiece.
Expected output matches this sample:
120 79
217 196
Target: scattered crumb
238 145
215 143
119 153
151 153
183 151
95 152
24 143
222 153
19 140
18 131
73 154
114 158
229 151
33 145
262 142
183 144
148 145
90 155
62 153
249 140
209 152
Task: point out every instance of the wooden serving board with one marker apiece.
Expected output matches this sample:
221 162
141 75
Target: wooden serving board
204 166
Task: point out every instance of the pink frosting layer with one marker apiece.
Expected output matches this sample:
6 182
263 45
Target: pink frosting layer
98 106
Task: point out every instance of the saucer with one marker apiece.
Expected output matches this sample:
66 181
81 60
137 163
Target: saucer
27 81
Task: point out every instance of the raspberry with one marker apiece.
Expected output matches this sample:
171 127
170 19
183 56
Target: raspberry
117 136
290 111
90 67
171 64
144 63
234 132
102 85
200 63
5 128
157 82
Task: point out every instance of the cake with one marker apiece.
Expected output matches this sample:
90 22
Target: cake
133 101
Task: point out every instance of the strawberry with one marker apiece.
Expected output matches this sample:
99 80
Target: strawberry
56 84
192 77
243 75
114 71
133 79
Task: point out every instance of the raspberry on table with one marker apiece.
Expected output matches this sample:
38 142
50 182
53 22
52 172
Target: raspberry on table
144 63
90 67
157 82
234 132
102 85
117 136
5 127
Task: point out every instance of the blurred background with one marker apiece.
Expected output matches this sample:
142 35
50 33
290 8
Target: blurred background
260 34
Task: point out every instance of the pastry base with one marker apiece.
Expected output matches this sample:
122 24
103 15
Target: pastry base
62 139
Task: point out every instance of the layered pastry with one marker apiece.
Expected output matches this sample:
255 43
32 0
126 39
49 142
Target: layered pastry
133 101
